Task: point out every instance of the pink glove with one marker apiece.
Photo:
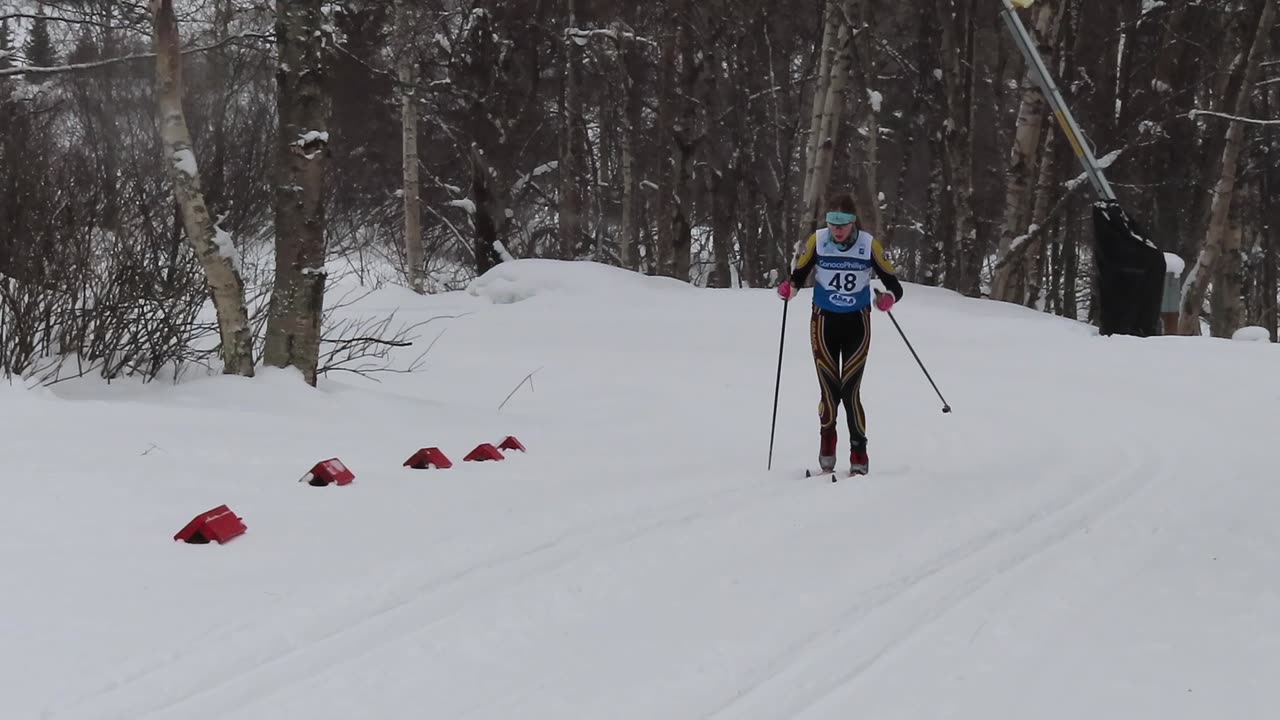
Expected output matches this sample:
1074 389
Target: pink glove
884 302
785 291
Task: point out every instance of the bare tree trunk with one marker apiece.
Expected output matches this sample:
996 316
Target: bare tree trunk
1054 302
832 104
1071 267
1270 281
820 89
109 119
491 215
870 99
681 205
297 299
684 82
407 71
1228 288
722 179
753 254
1022 156
916 135
1196 285
570 167
1208 140
938 235
957 30
629 234
690 136
667 101
215 179
1028 280
910 135
212 245
723 197
1270 221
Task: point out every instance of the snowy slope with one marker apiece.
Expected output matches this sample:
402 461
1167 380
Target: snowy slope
1092 532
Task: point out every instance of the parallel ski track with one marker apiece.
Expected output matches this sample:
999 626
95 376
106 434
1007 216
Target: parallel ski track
880 620
822 662
247 679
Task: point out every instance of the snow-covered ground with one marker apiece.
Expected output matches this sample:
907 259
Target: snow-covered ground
1094 532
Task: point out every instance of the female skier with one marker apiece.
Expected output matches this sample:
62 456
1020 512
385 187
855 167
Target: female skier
845 257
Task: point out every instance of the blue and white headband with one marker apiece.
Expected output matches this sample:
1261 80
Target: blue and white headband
840 218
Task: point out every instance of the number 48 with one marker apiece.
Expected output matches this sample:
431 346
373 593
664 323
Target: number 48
844 282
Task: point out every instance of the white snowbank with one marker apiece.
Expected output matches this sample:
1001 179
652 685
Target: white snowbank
1073 523
517 280
1252 333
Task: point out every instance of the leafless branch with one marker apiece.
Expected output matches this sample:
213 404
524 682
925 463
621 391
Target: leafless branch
81 67
527 379
1234 118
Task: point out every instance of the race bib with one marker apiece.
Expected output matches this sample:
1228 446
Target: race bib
844 282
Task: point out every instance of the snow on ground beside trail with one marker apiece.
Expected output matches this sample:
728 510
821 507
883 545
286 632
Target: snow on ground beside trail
1092 532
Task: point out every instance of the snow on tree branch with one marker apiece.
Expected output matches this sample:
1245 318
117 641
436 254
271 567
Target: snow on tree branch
582 35
1234 118
81 67
5 16
1104 162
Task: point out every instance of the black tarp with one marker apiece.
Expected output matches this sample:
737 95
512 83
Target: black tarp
1131 273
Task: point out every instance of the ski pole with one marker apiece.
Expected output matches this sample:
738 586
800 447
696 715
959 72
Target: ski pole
778 382
945 407
1036 66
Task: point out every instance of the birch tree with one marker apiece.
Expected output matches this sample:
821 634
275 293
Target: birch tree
297 298
212 245
688 136
1228 313
1023 158
867 69
822 82
668 107
406 68
1196 284
957 146
629 120
572 137
828 105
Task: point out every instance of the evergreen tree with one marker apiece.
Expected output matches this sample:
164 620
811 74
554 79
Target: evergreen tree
6 45
39 49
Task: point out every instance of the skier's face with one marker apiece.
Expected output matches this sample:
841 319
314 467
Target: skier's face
841 233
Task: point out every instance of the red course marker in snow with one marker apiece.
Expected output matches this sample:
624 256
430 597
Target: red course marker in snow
329 471
428 458
218 525
483 451
511 443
